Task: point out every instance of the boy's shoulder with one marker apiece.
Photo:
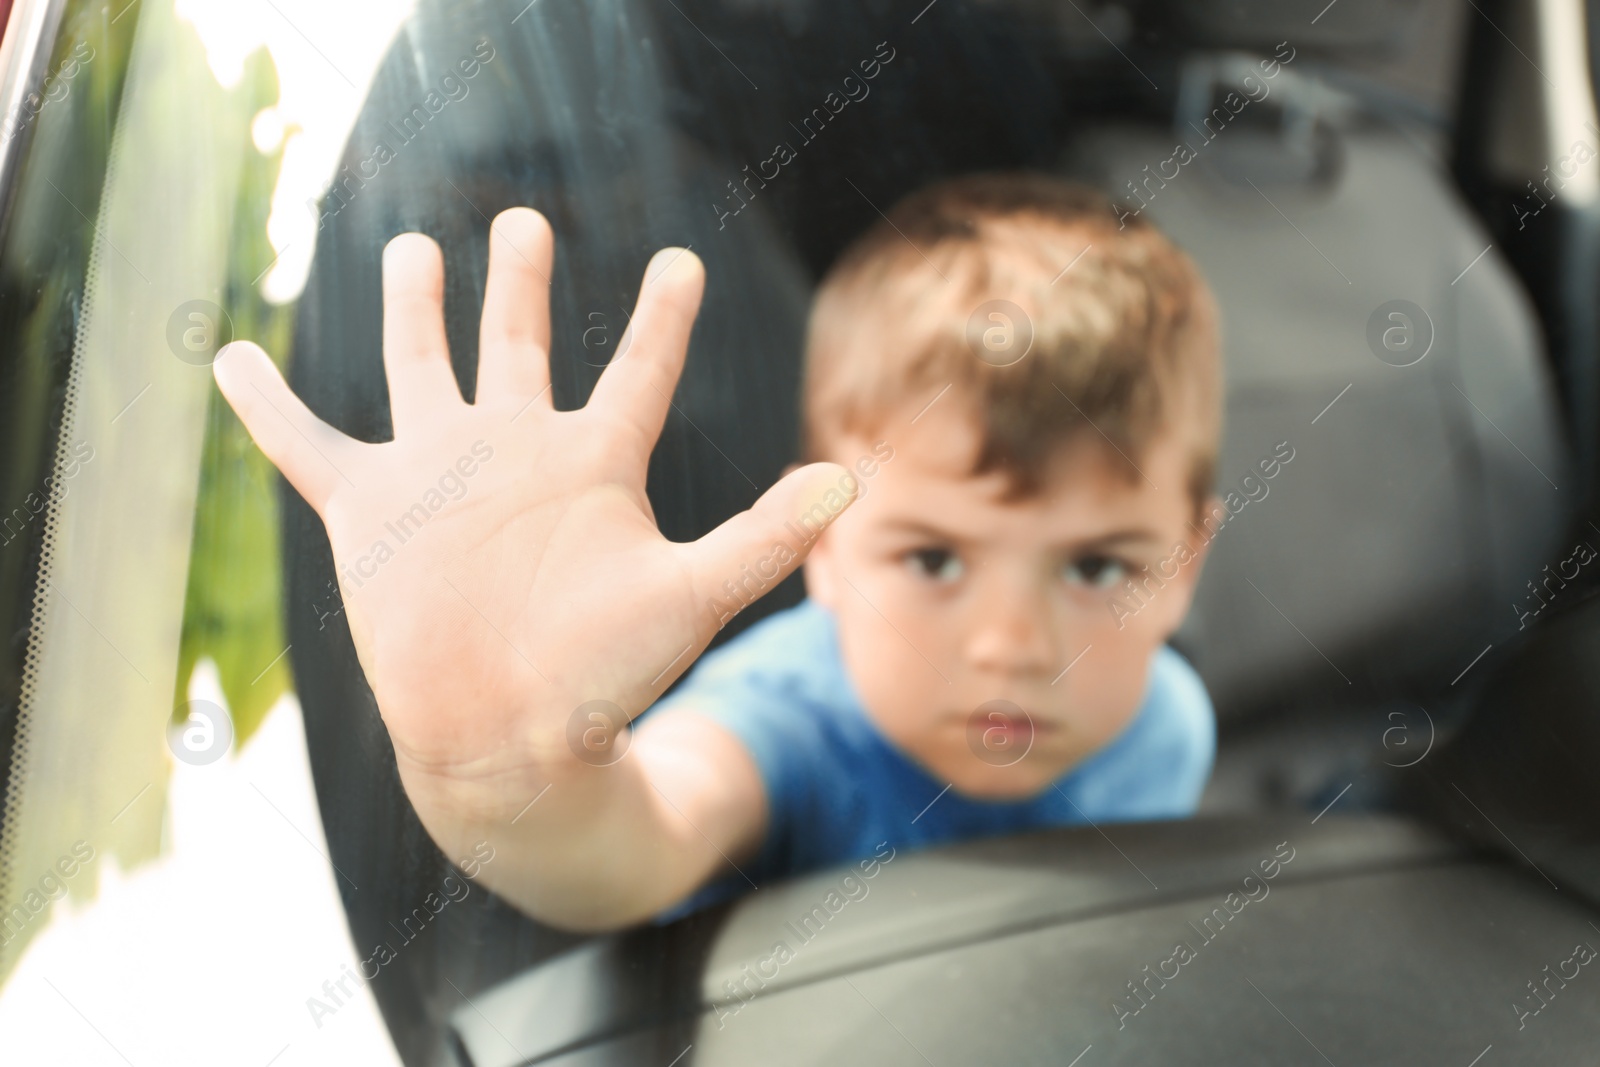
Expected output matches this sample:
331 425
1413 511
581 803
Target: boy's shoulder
1177 699
784 673
1158 766
773 649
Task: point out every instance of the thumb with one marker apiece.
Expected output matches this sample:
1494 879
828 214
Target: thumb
308 451
747 556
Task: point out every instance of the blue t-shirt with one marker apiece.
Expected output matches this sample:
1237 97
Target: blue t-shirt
836 788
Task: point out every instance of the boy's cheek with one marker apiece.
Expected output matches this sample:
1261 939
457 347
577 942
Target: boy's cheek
1107 696
898 688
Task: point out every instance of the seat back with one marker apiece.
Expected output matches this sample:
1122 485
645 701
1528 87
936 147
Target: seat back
1425 488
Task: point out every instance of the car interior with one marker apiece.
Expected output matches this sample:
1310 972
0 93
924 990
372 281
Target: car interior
1400 653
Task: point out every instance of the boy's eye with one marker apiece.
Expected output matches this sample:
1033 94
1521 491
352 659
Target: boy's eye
1096 572
939 564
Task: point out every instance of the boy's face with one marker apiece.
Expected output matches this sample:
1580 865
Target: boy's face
948 599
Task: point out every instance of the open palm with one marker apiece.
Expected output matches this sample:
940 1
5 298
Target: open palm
499 561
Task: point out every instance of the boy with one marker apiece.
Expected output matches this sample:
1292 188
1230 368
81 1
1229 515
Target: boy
1021 398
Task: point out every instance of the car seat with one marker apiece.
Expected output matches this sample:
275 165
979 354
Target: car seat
1379 563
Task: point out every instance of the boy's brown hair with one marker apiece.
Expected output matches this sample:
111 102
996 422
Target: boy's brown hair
1123 327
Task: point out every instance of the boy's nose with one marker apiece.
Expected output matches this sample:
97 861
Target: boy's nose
1011 632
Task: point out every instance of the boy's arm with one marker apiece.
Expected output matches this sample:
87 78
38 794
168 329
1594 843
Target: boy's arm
502 572
605 846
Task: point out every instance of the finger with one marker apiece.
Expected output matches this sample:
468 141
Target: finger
514 336
309 452
416 356
745 557
638 383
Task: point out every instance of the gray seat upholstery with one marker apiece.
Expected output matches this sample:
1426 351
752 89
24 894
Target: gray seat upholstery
1039 948
1390 550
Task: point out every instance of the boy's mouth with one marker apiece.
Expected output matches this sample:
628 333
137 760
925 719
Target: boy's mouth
1001 733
